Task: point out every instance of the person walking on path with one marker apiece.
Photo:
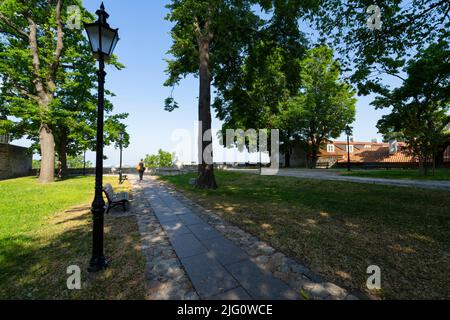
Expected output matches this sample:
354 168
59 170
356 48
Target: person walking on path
141 169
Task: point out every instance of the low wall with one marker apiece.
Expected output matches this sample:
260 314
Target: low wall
14 161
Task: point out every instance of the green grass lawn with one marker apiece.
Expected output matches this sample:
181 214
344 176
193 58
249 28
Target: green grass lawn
339 229
46 228
439 175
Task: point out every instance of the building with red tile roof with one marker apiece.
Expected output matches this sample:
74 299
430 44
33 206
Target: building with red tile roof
334 153
367 152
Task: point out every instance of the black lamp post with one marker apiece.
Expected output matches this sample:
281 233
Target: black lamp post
348 132
121 138
103 40
84 162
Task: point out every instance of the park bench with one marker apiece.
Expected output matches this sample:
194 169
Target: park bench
122 178
115 199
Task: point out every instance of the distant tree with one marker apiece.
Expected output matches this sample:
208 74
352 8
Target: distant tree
324 106
161 160
152 161
77 162
36 164
420 107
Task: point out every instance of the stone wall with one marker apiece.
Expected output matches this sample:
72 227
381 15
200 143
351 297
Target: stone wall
14 161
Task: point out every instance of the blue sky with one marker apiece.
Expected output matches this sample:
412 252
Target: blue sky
145 40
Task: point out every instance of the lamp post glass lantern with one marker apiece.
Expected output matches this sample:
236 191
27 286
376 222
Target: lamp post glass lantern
103 40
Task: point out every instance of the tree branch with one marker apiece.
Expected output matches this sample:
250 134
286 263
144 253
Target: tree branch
32 38
59 44
20 33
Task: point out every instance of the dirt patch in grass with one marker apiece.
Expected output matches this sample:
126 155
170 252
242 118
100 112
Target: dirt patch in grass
339 229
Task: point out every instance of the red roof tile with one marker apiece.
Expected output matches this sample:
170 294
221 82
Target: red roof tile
378 152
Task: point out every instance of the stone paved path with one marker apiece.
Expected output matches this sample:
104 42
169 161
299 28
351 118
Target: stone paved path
191 253
335 176
217 268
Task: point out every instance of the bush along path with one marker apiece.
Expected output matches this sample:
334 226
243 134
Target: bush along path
186 244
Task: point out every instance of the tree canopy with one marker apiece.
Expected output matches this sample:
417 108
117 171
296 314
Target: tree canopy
420 107
407 27
48 78
161 160
209 39
324 106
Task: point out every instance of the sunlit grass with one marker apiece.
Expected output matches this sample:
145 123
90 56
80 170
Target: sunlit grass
46 228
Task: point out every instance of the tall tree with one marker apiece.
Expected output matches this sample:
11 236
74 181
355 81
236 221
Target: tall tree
249 95
421 106
208 37
30 64
49 78
324 106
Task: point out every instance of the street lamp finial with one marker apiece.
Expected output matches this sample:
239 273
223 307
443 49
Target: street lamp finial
102 6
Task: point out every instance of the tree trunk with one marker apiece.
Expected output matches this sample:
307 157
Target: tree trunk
287 159
84 163
47 143
314 158
423 163
206 178
62 151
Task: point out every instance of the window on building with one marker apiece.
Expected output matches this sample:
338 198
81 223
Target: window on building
330 148
352 149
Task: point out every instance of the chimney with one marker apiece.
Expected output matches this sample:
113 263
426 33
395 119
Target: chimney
393 147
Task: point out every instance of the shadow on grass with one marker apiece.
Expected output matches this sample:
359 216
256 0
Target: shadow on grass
34 267
339 229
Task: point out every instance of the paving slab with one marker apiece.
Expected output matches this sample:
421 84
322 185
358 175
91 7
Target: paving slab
225 251
259 284
204 231
187 245
237 294
175 228
208 276
190 219
164 217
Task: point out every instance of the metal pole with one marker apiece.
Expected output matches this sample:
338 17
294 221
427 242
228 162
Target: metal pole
120 171
84 163
98 260
348 154
260 161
